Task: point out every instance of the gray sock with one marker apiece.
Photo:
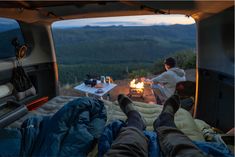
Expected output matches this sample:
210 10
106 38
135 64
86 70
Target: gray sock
129 107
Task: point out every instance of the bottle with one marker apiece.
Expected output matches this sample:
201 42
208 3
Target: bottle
102 79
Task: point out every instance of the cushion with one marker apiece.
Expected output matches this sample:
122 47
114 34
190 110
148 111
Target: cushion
6 90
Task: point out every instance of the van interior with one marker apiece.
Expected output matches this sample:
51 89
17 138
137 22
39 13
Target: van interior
35 52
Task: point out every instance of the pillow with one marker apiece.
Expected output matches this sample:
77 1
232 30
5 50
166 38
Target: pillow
6 90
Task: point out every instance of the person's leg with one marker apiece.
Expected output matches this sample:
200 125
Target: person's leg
159 94
166 118
172 141
134 118
131 140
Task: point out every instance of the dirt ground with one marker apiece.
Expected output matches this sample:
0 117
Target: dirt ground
123 88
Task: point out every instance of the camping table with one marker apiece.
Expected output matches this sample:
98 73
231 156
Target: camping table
92 90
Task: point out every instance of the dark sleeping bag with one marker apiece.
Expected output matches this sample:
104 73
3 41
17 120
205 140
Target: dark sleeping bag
71 131
10 142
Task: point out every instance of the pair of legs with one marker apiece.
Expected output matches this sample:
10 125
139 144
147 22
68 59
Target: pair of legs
132 142
159 94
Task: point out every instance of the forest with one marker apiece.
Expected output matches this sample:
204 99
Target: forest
119 51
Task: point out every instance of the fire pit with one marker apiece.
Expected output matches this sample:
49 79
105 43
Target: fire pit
136 89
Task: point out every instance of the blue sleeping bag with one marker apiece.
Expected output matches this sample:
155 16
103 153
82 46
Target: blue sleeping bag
69 132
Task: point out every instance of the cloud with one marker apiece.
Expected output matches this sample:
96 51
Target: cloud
116 23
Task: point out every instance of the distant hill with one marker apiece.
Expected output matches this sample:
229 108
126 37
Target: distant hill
118 44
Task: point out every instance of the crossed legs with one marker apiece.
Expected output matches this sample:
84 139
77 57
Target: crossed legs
132 142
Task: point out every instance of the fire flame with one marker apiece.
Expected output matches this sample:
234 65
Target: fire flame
133 84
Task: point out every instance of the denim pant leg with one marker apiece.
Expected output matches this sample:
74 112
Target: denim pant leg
159 94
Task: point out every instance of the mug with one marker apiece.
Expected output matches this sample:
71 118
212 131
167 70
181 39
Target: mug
108 79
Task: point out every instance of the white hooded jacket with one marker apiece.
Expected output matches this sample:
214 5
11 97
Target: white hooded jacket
169 79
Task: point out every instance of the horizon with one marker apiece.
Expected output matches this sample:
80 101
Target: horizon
126 21
121 26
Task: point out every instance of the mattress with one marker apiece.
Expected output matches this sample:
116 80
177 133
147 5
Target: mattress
183 119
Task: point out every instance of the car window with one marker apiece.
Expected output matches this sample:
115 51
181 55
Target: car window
9 30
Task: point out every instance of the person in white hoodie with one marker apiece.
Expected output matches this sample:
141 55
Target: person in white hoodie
164 84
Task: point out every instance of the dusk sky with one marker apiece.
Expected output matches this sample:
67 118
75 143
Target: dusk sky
146 20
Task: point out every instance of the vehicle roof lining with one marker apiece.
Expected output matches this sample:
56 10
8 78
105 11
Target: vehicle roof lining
50 11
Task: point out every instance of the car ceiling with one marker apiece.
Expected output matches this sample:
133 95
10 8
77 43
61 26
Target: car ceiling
50 11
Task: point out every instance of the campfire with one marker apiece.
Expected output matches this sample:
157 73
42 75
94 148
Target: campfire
136 88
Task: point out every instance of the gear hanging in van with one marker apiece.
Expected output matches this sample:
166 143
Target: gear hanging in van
23 86
20 80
